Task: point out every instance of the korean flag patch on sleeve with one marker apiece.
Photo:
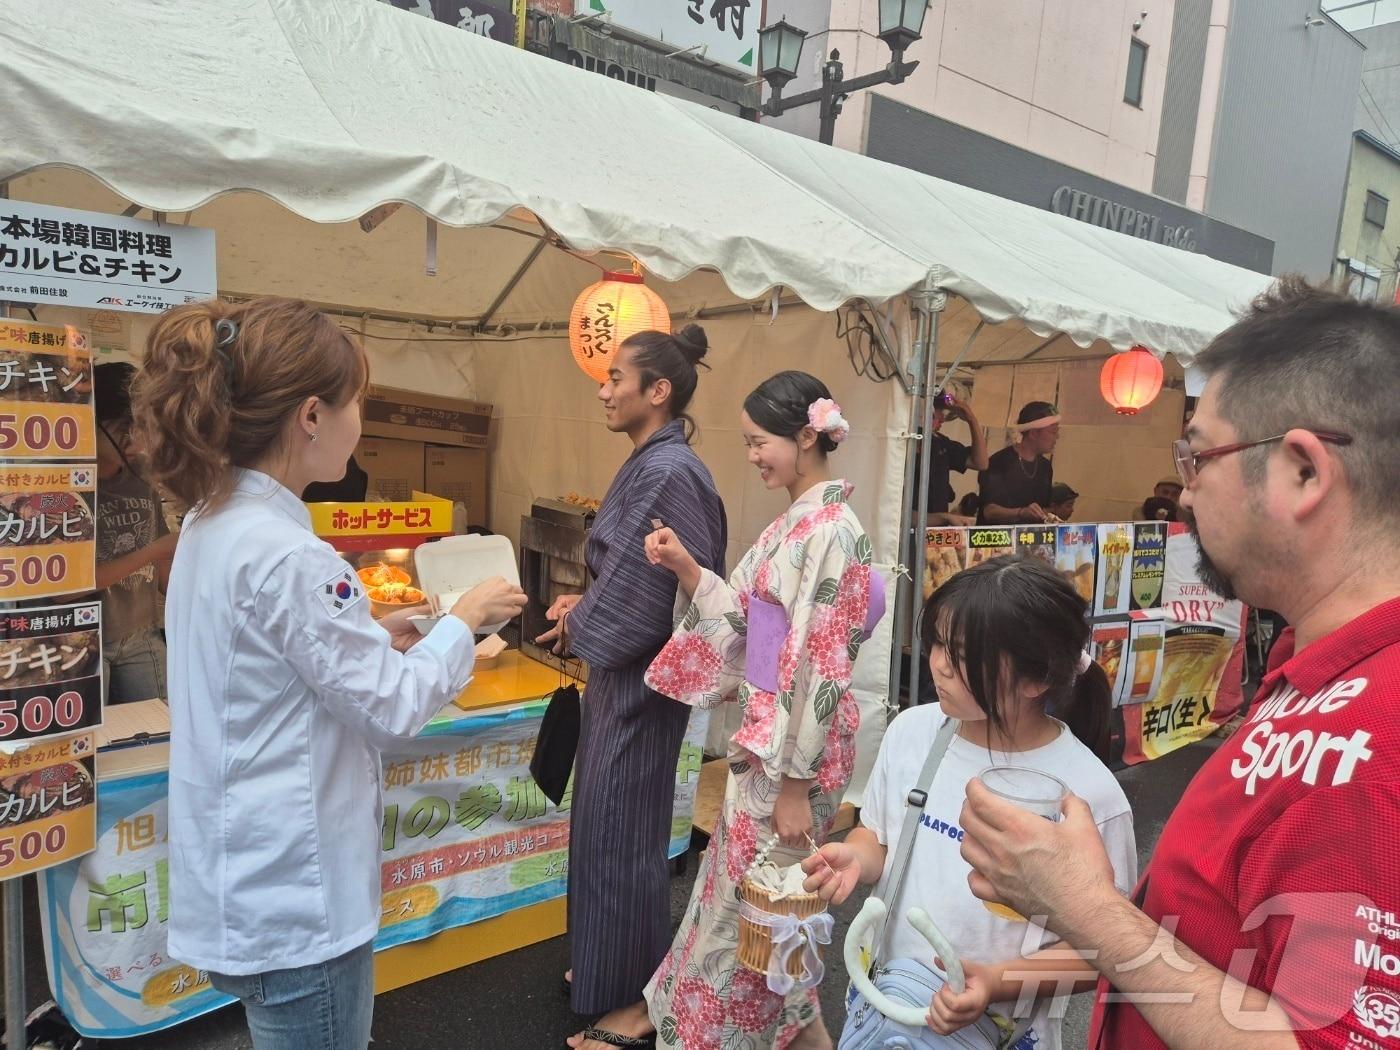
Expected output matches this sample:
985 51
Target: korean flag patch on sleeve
340 592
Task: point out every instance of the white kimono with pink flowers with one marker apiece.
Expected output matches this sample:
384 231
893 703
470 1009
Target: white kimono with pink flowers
814 561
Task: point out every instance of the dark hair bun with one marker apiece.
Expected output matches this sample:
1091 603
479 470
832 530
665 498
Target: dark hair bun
693 343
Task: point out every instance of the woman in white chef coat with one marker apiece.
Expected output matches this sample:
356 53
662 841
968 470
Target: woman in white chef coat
283 690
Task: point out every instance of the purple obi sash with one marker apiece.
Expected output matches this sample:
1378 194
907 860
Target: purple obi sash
768 629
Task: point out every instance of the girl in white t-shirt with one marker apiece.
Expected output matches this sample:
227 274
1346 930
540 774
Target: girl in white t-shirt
1006 642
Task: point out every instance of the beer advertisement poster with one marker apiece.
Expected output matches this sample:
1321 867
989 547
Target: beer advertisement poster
1149 564
1145 659
1115 570
1109 648
1076 549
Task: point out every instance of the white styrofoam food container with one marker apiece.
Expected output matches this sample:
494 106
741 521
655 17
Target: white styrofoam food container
450 567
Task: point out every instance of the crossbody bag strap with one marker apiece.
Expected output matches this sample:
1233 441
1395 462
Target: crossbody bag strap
893 882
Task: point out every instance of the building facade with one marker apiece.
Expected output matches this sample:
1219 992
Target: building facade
702 53
1368 239
1151 117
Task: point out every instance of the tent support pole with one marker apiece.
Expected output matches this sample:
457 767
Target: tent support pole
934 305
515 279
14 903
14 964
927 304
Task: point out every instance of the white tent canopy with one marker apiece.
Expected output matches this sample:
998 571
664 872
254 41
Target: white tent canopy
279 123
333 109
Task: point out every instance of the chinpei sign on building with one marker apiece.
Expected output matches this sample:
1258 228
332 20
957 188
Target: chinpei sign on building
1124 218
900 134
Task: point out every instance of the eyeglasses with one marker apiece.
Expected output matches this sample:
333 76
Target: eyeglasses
1188 463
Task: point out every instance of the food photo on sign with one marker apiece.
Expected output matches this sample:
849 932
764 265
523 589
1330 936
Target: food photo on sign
46 392
50 671
47 530
48 809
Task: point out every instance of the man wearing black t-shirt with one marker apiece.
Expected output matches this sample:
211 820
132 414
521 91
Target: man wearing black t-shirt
947 455
1016 484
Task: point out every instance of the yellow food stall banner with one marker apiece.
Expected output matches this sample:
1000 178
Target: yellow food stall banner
467 836
48 535
45 393
48 805
375 526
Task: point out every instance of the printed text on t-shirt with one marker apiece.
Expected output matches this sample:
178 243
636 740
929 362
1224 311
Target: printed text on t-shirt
1267 753
941 827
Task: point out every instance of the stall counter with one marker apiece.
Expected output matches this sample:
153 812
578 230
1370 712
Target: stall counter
475 861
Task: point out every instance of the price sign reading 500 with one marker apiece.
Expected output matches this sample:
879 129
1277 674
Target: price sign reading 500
47 529
45 393
50 672
37 435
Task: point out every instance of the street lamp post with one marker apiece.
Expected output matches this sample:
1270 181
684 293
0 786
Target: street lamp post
780 49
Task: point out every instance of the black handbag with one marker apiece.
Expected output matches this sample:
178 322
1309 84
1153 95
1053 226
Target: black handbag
553 761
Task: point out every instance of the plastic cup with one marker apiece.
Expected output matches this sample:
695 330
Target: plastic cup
1027 789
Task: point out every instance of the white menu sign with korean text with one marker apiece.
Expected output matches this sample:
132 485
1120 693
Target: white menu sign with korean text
95 260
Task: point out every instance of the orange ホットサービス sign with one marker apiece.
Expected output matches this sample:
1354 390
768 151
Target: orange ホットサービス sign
375 526
48 534
45 393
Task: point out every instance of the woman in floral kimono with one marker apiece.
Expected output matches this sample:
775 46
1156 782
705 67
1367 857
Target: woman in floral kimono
792 757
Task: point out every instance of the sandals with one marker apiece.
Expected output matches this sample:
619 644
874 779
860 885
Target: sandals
602 1035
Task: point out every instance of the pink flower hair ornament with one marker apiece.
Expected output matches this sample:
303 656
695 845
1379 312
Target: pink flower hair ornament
825 416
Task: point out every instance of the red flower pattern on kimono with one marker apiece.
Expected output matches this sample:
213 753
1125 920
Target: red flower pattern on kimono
804 529
688 665
699 1013
752 1007
759 714
741 845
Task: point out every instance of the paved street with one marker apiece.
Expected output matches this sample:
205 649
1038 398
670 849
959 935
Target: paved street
515 1000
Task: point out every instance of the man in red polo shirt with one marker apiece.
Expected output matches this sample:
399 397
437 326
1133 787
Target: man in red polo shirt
1270 913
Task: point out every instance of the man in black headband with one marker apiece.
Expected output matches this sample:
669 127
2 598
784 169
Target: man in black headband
1016 484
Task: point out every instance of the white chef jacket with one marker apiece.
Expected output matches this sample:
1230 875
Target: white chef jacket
282 692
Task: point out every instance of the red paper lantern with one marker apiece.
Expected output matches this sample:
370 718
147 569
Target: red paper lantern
609 313
1131 381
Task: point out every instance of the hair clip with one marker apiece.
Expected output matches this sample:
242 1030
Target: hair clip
226 331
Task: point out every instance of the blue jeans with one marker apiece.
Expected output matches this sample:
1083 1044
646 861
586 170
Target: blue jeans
325 1006
134 668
